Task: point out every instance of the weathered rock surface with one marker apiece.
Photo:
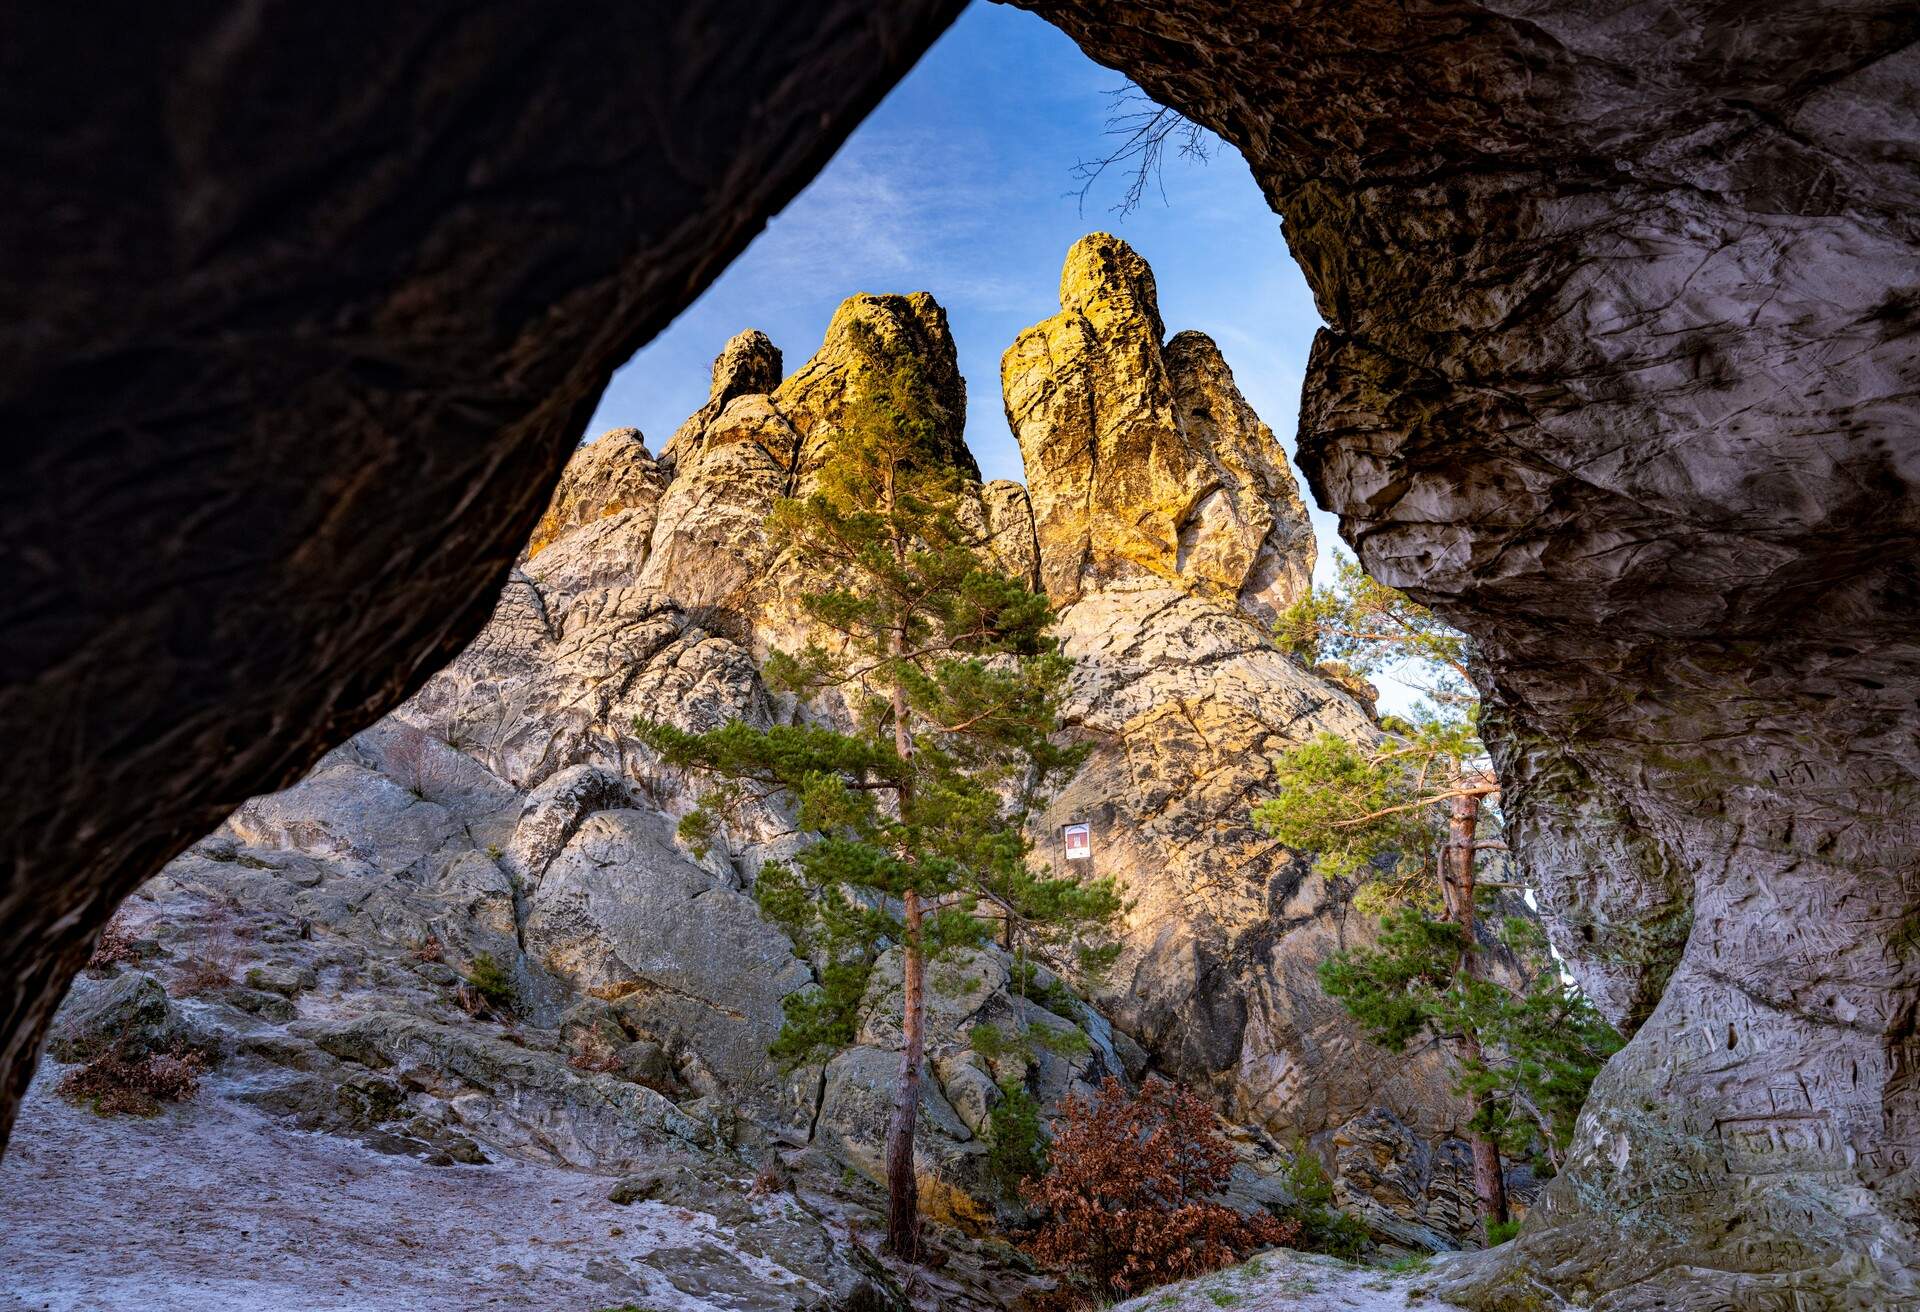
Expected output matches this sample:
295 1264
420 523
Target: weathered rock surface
129 1016
361 1036
1280 1281
304 313
217 1207
1143 461
1185 699
1621 376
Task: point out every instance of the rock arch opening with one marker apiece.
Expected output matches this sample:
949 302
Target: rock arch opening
1617 377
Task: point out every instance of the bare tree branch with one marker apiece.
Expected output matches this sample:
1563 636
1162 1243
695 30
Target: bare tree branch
1415 805
1144 129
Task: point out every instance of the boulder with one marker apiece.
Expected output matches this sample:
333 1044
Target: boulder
516 1099
129 1016
856 1107
683 956
288 979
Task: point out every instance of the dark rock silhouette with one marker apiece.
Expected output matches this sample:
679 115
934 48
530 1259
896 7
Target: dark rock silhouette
305 312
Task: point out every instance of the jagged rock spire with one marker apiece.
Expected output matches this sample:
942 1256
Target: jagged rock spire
1143 459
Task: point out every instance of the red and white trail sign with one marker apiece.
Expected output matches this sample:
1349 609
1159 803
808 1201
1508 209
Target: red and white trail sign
1079 841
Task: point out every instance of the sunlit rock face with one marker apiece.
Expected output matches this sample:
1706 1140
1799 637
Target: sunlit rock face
305 311
1620 375
1143 460
1170 532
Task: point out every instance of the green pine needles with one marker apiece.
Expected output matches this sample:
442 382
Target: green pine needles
948 686
1408 820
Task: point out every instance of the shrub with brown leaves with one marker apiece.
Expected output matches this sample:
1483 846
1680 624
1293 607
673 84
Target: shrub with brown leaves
1126 1199
115 1085
413 761
201 975
215 960
115 945
772 1178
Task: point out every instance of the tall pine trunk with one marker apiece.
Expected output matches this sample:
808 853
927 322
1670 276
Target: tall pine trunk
1489 1183
903 1190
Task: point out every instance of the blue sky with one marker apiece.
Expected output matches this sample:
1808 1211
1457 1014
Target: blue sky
961 184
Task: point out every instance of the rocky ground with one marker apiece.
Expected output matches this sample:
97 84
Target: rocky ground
1283 1281
218 1207
215 1207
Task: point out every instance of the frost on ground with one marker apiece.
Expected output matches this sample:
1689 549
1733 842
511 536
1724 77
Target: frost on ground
1283 1281
214 1207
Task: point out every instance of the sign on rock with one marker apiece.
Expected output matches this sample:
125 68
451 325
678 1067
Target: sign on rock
1079 841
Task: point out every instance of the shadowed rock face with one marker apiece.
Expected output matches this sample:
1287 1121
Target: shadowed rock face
1620 375
305 313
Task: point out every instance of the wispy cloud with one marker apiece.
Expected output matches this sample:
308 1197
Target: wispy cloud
901 209
961 184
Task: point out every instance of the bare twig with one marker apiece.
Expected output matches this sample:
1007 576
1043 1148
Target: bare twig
1144 129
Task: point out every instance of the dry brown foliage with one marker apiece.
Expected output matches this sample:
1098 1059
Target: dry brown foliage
216 958
429 949
593 1054
116 945
772 1178
597 1061
1126 1194
412 761
113 1085
201 975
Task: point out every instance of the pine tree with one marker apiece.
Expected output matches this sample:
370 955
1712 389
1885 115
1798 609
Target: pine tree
920 807
1408 820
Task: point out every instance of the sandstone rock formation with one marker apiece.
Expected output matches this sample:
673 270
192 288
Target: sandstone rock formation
1169 533
1143 461
510 810
305 311
1620 375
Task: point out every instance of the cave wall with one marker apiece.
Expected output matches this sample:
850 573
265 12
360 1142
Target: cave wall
1620 375
306 306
